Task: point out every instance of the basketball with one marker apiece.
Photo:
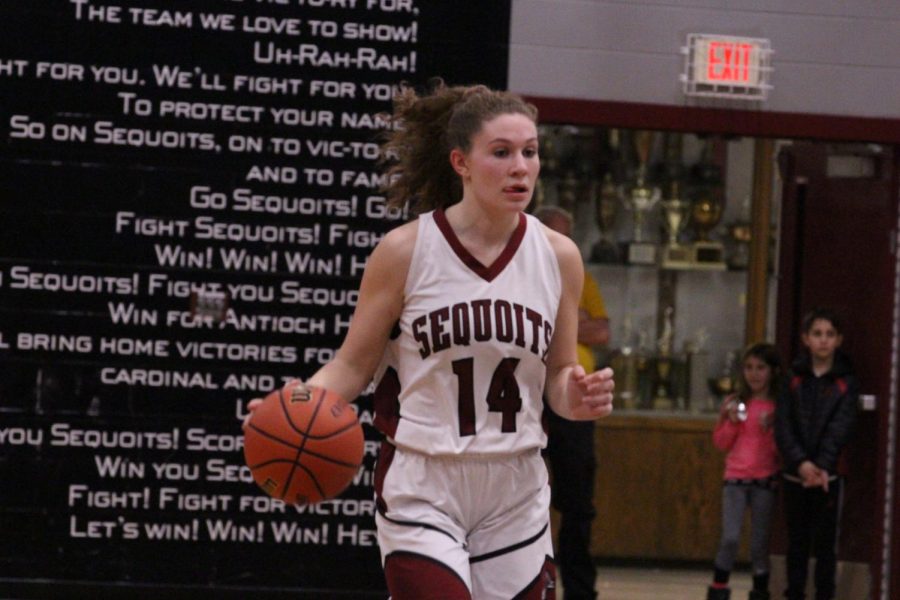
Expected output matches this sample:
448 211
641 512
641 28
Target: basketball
303 444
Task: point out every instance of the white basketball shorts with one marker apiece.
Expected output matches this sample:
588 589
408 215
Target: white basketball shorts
485 517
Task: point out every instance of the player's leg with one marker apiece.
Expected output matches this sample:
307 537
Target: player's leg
423 546
526 572
412 576
511 549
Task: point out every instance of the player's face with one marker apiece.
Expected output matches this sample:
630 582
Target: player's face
758 375
822 339
501 168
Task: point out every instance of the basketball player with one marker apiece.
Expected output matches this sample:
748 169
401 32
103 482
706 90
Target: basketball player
466 316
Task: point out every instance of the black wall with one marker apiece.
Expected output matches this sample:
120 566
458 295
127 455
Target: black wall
152 155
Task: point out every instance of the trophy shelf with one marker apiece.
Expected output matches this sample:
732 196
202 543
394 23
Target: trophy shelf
664 222
665 267
678 230
673 335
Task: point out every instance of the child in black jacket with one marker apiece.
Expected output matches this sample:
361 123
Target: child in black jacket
813 421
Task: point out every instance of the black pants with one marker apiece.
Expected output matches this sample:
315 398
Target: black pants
812 523
572 464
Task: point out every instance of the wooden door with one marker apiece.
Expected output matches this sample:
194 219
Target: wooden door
837 249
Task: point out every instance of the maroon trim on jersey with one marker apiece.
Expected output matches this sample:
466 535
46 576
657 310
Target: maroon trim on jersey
385 458
412 576
387 403
486 273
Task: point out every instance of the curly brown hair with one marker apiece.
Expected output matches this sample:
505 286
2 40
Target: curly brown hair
426 128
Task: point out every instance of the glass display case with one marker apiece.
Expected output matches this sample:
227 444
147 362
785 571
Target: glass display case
665 221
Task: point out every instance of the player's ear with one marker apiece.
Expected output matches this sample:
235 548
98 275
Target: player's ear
459 162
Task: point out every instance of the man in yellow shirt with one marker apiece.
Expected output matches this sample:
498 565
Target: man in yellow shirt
570 447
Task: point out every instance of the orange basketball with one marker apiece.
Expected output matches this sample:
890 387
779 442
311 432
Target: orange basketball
303 444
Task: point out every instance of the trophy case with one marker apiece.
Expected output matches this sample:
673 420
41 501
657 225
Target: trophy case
678 231
665 222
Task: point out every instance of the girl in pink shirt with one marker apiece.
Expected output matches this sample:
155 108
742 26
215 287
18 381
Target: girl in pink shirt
744 430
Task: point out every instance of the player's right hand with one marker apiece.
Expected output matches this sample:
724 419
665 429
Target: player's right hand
254 404
251 406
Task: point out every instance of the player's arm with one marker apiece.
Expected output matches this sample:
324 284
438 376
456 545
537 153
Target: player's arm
378 307
377 310
572 393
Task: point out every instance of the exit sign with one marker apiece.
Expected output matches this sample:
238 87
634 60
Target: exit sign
724 66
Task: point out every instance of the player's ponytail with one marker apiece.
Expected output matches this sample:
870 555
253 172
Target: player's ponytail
426 128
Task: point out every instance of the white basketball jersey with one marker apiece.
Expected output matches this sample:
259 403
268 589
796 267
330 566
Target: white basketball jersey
464 370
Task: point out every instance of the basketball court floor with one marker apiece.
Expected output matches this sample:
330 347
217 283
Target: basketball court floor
667 583
631 583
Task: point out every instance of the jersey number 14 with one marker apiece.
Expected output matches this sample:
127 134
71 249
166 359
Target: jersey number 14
502 395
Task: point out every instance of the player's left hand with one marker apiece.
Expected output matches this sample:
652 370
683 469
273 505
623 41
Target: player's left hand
590 394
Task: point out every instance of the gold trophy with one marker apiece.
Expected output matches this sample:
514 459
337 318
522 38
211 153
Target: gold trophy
725 383
698 372
642 366
706 212
663 397
675 213
640 200
540 196
721 386
545 189
605 249
625 365
739 234
549 151
568 190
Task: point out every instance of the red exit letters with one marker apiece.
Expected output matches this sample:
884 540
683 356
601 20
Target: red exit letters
728 62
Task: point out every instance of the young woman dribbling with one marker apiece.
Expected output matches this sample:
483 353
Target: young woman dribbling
466 316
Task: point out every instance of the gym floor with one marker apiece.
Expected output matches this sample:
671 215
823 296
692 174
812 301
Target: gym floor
632 583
